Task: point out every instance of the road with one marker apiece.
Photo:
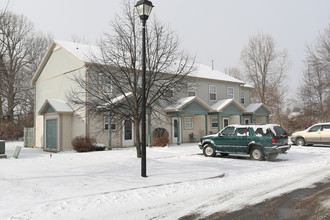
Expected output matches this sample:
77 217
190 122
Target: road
299 204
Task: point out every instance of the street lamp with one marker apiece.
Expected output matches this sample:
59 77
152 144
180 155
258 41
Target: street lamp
144 8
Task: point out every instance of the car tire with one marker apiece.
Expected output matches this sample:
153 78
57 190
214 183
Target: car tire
257 153
272 156
208 150
300 141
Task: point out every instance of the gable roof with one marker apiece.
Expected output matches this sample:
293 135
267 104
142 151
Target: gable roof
59 106
183 102
83 52
252 108
222 104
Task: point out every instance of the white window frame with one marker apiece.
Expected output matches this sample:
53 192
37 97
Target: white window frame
214 120
231 95
215 93
113 122
242 97
188 122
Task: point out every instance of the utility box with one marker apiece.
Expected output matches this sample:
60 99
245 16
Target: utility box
2 147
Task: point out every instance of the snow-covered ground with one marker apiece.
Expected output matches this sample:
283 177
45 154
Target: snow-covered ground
107 185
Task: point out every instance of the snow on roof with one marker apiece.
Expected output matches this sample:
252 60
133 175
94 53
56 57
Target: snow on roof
206 72
180 103
221 104
253 107
247 86
83 52
58 105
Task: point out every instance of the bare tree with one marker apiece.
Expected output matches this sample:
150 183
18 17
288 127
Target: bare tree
314 93
113 83
234 72
21 51
265 67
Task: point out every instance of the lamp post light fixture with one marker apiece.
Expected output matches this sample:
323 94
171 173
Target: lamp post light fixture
144 8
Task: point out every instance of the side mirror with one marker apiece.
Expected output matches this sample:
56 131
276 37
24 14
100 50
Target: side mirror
219 134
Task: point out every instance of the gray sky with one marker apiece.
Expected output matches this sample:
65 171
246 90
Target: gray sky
210 29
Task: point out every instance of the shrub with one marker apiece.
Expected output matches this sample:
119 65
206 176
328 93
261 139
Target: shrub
160 137
160 132
161 141
83 144
99 147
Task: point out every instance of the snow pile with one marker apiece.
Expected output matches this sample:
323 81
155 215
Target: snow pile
181 181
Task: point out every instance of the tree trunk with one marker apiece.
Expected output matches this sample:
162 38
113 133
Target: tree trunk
11 101
137 138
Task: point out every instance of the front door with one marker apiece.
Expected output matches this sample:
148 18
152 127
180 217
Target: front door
225 122
51 134
174 130
128 133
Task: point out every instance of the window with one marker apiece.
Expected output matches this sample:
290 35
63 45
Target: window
246 121
326 127
213 93
214 122
230 93
243 132
191 89
113 123
228 131
188 122
315 128
242 98
104 83
169 92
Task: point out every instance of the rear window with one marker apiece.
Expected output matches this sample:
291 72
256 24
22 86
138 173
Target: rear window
279 131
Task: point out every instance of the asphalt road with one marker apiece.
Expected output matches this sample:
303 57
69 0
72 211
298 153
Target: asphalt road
299 204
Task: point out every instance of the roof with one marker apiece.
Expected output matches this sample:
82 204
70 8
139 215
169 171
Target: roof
183 102
206 72
252 108
221 104
57 105
83 52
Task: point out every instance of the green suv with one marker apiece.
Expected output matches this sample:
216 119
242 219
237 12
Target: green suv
260 141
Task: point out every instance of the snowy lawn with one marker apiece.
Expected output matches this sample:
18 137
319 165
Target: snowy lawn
181 181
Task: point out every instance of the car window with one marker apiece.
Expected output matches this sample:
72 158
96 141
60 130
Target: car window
315 128
279 131
228 131
263 133
243 132
326 127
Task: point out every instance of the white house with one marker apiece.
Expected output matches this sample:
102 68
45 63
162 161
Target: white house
212 102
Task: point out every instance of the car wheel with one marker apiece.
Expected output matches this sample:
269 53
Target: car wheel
257 154
209 151
224 154
300 141
272 156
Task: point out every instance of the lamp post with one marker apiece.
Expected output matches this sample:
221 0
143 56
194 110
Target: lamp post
144 8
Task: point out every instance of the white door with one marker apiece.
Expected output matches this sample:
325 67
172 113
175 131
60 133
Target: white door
225 122
174 130
128 133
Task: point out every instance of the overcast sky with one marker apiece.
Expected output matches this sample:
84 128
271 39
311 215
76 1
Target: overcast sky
209 29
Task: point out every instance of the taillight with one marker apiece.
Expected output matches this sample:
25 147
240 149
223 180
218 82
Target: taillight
273 140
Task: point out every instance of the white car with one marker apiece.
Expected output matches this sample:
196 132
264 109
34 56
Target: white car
316 134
